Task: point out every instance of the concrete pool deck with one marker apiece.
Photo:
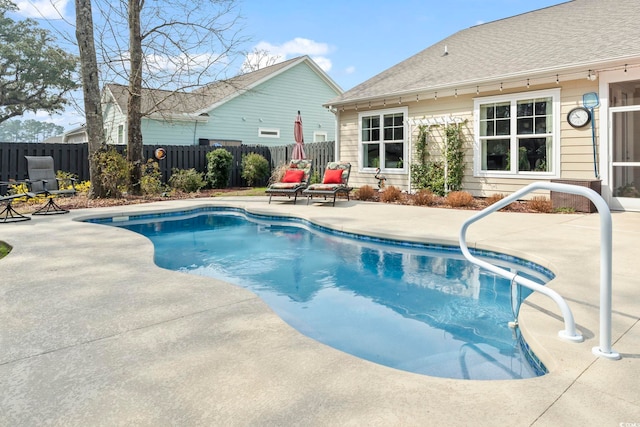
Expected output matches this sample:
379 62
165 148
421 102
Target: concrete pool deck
93 333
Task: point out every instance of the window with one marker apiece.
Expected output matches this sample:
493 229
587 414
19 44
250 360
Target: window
527 124
382 140
120 134
319 136
268 133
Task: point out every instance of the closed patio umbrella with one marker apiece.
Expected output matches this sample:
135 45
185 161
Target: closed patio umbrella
298 150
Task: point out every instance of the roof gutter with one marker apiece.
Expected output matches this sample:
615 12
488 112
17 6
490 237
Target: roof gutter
519 79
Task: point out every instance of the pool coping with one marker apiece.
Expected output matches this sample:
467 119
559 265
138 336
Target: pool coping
317 385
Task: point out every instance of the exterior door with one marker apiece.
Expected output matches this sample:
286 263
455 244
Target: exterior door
624 118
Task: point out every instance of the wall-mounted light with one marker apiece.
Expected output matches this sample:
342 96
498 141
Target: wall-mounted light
557 80
435 96
528 84
500 86
591 75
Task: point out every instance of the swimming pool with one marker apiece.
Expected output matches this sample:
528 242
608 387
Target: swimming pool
415 307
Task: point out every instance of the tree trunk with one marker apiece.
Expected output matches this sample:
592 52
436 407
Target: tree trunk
91 91
134 113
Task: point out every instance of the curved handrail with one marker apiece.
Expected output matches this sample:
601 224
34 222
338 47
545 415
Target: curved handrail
569 333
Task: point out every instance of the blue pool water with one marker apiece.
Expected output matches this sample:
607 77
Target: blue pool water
408 306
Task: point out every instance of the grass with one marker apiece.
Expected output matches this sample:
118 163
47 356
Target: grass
257 191
4 249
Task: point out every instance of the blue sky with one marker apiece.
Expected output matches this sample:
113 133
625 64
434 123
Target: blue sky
357 39
352 40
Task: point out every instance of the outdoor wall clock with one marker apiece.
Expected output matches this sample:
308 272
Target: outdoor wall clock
579 117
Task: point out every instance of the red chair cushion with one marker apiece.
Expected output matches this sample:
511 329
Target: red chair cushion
293 175
332 176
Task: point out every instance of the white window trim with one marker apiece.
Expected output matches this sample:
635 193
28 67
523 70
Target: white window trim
120 137
555 134
266 133
405 141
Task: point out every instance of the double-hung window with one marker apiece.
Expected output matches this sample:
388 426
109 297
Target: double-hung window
382 143
518 135
120 134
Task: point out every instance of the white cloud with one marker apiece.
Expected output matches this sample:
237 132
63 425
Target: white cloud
268 54
180 62
323 62
43 9
350 70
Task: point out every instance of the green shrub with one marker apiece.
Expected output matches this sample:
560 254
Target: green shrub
114 171
429 176
219 162
187 180
315 178
151 181
255 168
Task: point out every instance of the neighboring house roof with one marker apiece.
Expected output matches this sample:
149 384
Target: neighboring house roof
54 139
565 37
76 135
204 99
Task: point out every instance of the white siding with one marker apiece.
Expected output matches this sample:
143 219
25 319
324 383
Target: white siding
112 119
576 158
272 105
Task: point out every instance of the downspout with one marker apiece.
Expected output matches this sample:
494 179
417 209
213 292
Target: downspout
195 132
336 144
409 152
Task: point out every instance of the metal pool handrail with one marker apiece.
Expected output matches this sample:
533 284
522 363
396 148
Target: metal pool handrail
569 333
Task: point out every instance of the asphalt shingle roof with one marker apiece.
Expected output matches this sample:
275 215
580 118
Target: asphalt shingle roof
178 102
557 37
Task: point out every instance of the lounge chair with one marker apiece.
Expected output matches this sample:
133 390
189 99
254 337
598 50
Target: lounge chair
335 181
295 179
42 180
9 214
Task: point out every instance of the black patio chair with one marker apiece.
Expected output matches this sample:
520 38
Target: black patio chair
9 214
42 180
335 181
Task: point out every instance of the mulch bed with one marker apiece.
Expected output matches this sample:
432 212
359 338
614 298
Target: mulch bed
81 201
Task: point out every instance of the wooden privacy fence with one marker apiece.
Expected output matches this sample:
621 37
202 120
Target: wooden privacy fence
73 158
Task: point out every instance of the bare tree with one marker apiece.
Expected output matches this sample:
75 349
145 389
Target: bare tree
257 59
91 92
174 46
134 105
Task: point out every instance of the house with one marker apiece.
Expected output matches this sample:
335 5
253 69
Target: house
256 108
560 86
76 135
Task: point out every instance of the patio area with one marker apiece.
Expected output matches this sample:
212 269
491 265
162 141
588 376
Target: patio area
93 333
